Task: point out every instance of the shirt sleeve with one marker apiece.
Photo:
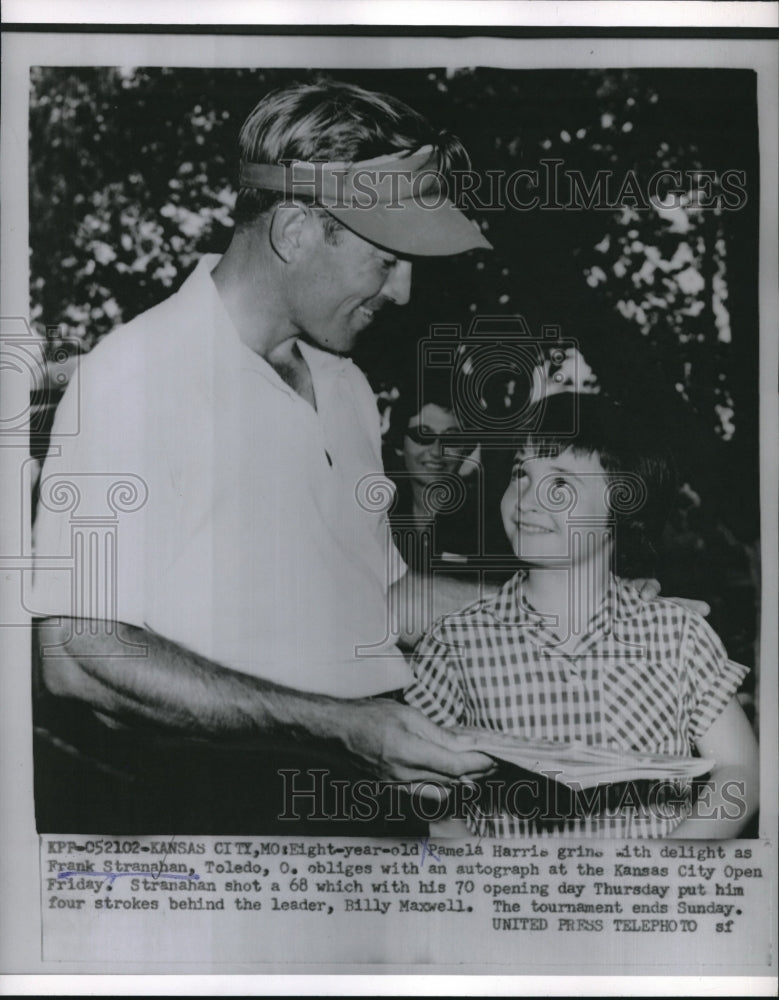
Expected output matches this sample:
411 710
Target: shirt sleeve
710 678
436 689
91 525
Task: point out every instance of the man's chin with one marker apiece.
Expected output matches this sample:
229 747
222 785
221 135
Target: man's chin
350 340
341 346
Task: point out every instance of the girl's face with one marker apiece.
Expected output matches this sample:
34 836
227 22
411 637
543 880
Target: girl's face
425 452
557 508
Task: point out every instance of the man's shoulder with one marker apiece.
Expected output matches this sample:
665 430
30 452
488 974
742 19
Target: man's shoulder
128 337
183 302
149 343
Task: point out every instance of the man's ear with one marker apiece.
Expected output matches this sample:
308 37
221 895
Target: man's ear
286 229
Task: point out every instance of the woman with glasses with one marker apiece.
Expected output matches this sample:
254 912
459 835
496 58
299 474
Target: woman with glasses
435 516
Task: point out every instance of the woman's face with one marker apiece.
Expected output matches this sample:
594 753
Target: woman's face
425 452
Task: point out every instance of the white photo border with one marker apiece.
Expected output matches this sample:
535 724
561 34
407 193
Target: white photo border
401 50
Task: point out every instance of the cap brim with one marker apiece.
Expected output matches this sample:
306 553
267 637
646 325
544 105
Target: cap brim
415 229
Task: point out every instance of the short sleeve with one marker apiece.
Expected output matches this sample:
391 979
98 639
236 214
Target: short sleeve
436 690
98 540
710 678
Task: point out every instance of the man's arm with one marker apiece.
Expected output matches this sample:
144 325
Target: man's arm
419 599
175 688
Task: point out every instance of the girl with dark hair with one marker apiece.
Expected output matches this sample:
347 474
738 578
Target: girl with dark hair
567 651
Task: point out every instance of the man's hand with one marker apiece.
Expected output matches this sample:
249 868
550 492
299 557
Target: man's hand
649 589
397 743
185 693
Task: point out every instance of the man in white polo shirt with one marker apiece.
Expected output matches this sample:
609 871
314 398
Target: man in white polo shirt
244 592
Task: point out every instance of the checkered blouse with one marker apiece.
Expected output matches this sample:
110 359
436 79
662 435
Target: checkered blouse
645 676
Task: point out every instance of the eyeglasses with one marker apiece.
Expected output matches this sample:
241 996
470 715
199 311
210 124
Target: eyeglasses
426 435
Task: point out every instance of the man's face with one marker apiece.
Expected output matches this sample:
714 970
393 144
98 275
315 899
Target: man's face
425 452
546 497
341 284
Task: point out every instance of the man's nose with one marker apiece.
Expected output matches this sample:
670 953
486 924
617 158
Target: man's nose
397 287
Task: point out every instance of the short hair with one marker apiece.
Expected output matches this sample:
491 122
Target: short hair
330 120
625 442
435 389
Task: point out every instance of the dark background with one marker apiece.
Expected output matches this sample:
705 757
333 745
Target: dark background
132 177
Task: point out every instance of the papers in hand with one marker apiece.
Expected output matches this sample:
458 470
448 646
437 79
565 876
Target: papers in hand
578 765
